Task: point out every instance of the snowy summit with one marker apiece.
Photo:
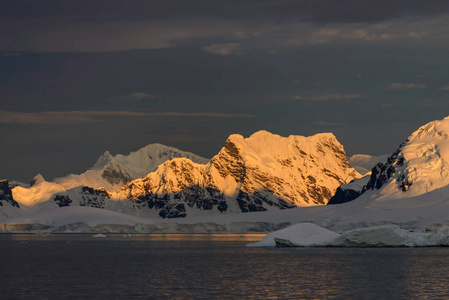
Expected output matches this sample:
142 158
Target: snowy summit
113 172
262 172
420 166
259 173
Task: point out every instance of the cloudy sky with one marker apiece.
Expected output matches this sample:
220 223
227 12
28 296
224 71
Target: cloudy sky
81 77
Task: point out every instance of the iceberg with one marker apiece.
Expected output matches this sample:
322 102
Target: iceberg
99 235
389 236
299 235
311 235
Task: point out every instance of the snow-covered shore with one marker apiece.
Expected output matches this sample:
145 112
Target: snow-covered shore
422 213
311 235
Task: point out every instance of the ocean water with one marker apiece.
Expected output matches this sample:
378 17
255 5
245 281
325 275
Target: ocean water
215 266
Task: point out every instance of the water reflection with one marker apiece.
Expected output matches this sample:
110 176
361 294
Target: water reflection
190 237
429 276
214 266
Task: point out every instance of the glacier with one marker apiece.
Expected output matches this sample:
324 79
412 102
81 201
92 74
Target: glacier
311 235
300 235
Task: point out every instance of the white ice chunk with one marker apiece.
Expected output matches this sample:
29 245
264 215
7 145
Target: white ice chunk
99 235
301 234
388 236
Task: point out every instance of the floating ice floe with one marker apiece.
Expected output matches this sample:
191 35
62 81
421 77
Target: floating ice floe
99 235
311 235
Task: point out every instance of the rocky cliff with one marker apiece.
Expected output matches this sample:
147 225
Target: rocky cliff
262 172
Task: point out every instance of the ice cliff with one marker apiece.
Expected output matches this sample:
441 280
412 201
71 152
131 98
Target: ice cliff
311 235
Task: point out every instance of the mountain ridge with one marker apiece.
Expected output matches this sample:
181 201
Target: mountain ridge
112 172
262 172
417 167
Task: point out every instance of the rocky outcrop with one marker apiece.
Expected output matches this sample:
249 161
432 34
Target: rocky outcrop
6 194
420 165
83 196
379 176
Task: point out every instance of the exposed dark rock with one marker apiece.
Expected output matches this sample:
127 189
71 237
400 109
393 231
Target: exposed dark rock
405 185
6 194
193 196
93 198
173 211
116 175
380 175
62 200
343 195
254 201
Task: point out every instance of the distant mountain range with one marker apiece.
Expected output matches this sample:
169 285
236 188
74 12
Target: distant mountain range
363 163
262 172
113 172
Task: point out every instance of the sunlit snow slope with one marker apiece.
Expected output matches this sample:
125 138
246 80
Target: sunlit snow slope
363 163
113 172
262 172
259 173
419 166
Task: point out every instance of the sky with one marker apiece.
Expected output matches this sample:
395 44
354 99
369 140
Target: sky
81 77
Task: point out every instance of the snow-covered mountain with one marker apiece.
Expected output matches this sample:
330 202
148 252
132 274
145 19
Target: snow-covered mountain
113 172
410 190
6 194
7 202
262 172
363 163
419 166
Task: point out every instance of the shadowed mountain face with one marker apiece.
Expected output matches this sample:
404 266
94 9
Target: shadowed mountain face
6 194
259 173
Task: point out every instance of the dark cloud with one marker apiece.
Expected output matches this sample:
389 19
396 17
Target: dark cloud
81 77
222 28
406 86
347 11
75 117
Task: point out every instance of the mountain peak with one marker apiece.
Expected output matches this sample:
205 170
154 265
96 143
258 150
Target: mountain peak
102 161
419 166
37 179
262 172
112 172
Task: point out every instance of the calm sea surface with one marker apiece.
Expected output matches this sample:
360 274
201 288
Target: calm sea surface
173 266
